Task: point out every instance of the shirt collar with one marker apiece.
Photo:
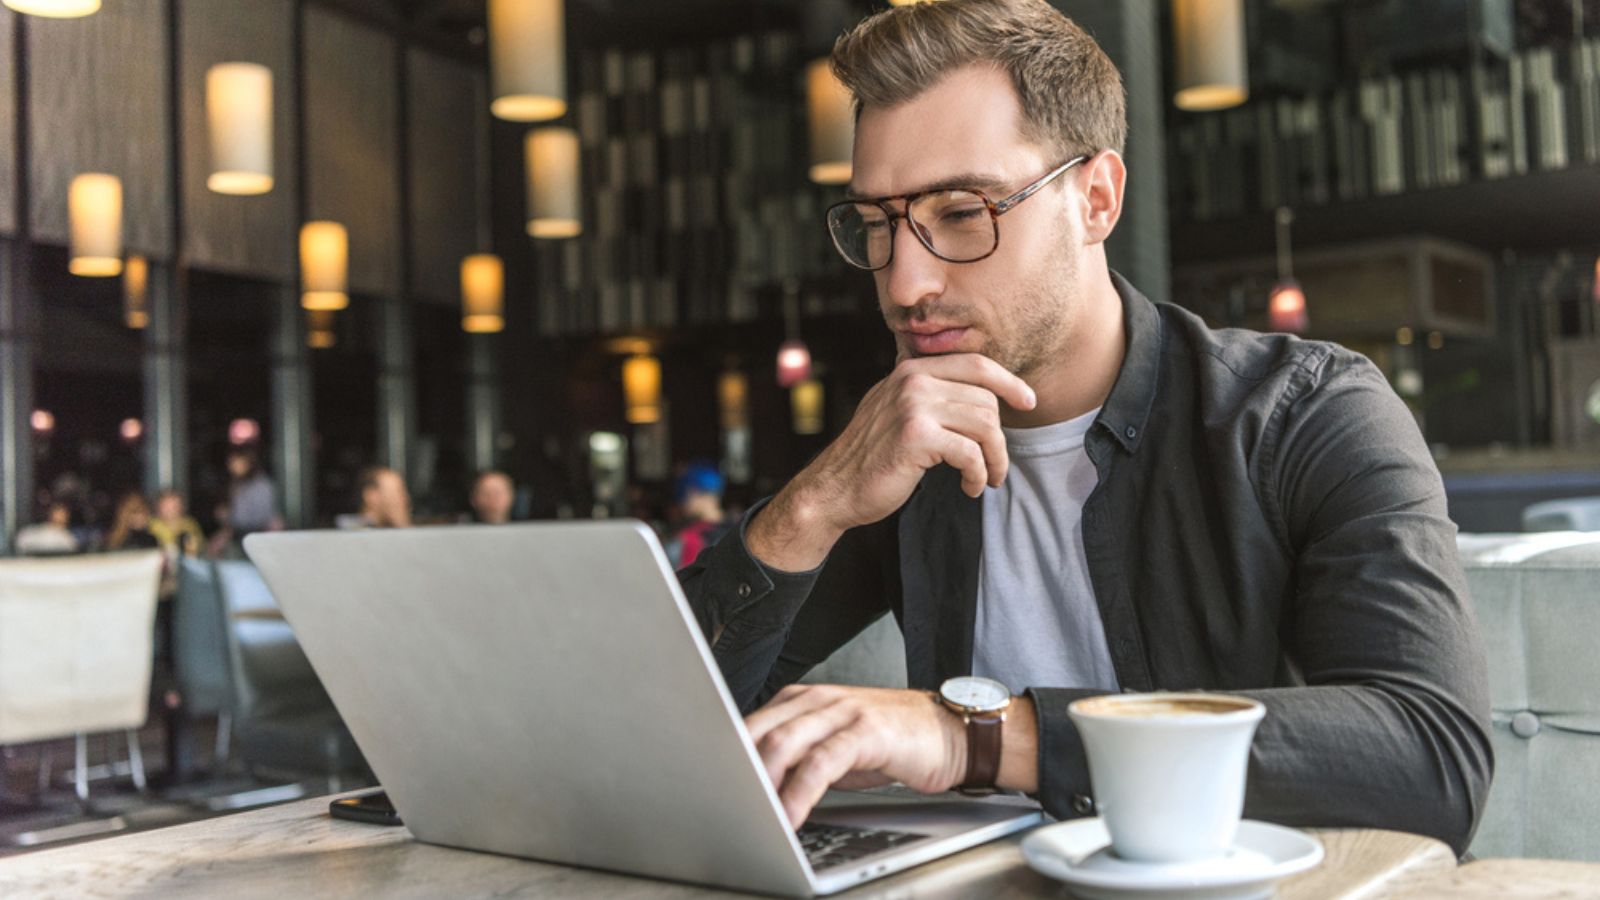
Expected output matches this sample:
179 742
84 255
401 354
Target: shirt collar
1126 411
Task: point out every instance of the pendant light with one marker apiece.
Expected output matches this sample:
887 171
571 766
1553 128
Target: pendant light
832 120
136 291
733 400
527 60
324 265
641 389
54 9
483 289
553 195
794 357
94 208
320 333
239 117
1208 38
1286 310
805 401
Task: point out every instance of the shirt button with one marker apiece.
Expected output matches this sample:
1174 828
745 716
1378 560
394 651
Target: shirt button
1131 432
744 590
1082 805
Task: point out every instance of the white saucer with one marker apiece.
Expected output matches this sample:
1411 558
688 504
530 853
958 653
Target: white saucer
1079 853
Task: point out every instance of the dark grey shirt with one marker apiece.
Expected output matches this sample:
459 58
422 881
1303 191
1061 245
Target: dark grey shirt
1268 521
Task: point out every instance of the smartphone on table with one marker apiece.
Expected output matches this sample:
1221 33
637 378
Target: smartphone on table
372 807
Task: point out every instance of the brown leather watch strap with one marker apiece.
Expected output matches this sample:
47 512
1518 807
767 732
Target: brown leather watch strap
983 751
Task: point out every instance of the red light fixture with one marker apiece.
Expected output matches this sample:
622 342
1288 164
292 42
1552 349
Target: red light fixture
794 363
1287 309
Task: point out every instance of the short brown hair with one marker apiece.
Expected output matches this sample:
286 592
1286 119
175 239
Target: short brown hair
1072 96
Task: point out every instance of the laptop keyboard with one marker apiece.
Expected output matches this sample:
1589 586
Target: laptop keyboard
835 845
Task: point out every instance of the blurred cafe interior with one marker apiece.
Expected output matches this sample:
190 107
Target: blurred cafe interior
303 263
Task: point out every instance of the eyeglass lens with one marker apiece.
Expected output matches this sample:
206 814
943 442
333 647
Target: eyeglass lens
956 225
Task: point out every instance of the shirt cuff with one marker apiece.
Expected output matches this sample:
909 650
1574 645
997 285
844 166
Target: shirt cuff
1064 788
746 594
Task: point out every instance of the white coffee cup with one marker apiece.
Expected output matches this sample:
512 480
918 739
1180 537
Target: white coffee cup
1168 770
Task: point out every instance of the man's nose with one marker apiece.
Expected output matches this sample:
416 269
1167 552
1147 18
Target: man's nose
914 274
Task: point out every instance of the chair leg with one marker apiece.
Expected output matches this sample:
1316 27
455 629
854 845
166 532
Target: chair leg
45 759
80 772
219 756
136 759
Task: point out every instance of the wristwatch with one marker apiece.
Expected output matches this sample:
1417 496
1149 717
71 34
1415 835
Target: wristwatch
981 703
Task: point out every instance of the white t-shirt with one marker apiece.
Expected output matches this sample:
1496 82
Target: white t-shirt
1038 624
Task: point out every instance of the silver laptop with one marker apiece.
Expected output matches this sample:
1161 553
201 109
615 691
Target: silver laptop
543 691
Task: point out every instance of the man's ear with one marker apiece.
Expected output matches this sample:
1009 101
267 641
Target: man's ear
1103 181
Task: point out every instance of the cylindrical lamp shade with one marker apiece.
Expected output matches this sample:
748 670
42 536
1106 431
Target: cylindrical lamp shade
1209 41
94 206
319 329
805 401
136 291
641 389
832 118
733 400
239 115
324 265
55 9
527 60
483 291
1287 309
554 199
794 363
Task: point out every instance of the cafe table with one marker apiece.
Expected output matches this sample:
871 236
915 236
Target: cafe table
297 851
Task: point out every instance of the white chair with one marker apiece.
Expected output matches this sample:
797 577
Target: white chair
75 650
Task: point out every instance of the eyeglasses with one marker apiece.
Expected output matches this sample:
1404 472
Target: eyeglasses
958 226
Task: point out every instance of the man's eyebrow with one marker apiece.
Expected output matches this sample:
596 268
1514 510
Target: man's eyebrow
987 182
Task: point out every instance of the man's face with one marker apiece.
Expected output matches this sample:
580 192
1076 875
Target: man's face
1017 306
492 497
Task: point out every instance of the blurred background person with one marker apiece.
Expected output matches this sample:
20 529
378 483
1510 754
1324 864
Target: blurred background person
52 536
130 528
384 501
252 500
492 497
174 528
701 521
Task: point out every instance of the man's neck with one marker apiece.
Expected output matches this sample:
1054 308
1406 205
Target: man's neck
1079 377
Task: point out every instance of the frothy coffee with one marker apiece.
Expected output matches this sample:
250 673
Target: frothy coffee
1149 706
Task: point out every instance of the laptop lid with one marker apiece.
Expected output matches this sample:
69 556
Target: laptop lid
537 690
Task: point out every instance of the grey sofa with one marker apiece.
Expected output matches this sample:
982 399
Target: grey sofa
1538 603
1537 598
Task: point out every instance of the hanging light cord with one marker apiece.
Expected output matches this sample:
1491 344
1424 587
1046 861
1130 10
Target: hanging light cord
791 309
1285 218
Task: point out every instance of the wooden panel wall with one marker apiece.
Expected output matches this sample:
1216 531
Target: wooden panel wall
8 123
98 102
446 134
250 236
352 142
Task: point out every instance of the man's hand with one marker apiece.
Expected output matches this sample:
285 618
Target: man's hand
930 410
813 737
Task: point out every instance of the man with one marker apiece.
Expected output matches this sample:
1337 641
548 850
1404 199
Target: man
1071 490
385 502
699 500
492 497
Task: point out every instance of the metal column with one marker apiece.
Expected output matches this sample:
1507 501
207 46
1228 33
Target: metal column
166 382
1130 33
18 325
293 461
483 403
397 418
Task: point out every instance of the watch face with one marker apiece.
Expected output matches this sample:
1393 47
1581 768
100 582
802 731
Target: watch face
975 693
